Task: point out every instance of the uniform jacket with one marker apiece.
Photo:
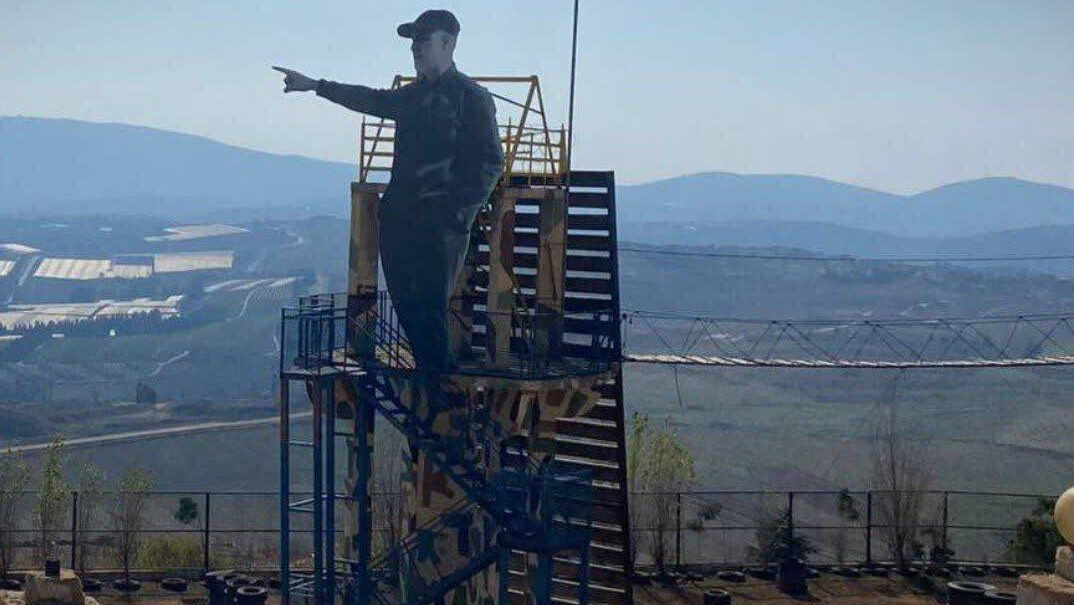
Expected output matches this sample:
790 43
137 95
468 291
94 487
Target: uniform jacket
447 146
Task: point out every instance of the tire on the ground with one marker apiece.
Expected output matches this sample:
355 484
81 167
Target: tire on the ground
236 582
174 584
1005 572
91 585
716 596
731 576
125 585
761 573
967 593
214 577
998 597
251 595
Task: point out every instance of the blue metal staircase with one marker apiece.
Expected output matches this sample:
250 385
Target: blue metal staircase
530 506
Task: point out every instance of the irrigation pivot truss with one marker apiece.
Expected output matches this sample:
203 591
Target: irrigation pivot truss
990 341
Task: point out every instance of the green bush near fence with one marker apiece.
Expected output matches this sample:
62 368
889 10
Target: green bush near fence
176 552
1036 537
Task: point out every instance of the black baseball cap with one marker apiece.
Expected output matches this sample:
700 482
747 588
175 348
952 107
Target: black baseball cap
430 21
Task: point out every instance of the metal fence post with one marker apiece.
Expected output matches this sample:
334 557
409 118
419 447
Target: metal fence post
74 526
678 529
205 536
943 534
869 526
790 524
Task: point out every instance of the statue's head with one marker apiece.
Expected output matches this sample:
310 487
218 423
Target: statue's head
433 36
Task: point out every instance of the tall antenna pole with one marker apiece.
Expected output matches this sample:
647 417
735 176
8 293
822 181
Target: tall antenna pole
570 109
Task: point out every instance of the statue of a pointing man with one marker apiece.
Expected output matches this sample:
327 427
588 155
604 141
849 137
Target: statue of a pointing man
447 160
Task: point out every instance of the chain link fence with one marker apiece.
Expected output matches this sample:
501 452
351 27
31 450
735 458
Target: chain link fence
187 532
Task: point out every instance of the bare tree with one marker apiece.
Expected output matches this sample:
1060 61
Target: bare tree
13 478
902 473
658 466
128 516
90 485
387 491
53 497
846 508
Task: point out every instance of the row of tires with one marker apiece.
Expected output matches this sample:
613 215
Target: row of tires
771 572
93 585
225 587
881 570
229 587
958 593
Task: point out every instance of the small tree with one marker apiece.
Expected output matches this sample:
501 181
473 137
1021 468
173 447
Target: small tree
776 542
187 512
13 477
90 485
388 493
128 517
1036 537
659 465
901 476
846 508
53 497
143 393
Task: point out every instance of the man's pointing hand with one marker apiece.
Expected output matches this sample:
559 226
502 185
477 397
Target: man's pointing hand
294 81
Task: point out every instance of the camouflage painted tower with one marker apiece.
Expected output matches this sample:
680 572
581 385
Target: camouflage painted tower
513 480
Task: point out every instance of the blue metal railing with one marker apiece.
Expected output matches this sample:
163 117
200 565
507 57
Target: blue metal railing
336 330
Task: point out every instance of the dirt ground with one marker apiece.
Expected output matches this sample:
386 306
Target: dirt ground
828 589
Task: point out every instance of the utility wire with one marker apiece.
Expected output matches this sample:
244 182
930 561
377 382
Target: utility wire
801 257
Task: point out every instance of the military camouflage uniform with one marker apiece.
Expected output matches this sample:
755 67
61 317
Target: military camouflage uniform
448 157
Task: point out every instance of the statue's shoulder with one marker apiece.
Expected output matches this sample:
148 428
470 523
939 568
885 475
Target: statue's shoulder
470 85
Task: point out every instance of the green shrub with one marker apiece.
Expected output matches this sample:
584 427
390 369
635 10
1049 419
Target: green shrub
1036 537
163 552
171 552
776 541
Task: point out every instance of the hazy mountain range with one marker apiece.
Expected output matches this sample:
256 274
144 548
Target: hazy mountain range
62 166
965 208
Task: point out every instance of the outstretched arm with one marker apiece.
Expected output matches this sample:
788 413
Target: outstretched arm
383 103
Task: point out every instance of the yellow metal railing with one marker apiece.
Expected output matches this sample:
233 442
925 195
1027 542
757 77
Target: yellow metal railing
531 148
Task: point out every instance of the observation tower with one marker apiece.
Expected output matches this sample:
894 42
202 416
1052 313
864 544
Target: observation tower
514 475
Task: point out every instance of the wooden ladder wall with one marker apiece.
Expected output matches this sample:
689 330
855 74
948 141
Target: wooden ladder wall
595 441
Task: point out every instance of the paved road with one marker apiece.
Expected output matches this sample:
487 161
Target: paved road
164 432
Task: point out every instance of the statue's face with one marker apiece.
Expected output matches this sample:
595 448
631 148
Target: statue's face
432 53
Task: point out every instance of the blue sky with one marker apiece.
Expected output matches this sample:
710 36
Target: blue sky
900 95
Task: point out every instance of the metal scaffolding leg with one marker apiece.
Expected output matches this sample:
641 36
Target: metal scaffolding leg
285 490
363 428
318 498
329 398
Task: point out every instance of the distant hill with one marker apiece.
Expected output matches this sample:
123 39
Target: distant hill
959 209
62 166
69 166
831 239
